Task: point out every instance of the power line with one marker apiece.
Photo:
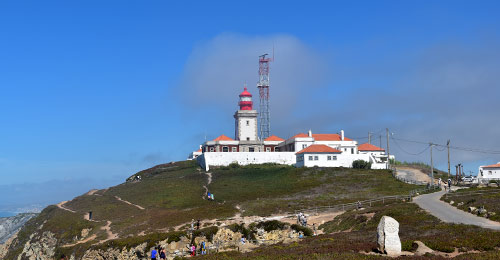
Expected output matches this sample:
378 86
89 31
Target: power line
410 153
467 149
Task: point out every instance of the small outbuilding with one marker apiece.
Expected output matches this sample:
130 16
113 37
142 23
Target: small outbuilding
318 155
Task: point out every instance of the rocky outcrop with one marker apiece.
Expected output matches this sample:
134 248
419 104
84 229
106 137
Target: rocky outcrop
10 225
134 253
42 247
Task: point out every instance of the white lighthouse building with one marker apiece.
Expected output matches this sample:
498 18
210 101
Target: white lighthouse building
246 119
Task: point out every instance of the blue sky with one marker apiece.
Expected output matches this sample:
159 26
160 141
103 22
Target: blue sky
93 91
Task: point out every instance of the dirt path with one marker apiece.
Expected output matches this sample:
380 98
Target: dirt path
316 219
61 206
129 203
110 234
447 213
412 174
81 241
209 175
92 192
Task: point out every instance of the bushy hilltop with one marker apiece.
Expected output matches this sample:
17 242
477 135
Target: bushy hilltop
158 202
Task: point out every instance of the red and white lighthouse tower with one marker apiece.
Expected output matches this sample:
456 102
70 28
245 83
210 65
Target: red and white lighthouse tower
246 118
246 102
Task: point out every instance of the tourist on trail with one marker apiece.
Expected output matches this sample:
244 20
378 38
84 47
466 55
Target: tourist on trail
154 253
449 184
162 254
359 204
203 248
212 196
198 224
314 229
209 196
439 182
193 250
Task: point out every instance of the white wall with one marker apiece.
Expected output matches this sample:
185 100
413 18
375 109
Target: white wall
248 131
343 160
244 158
489 173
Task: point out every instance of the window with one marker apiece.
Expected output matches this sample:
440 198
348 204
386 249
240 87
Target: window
211 149
352 150
225 149
235 149
276 149
310 158
248 122
316 158
248 138
489 172
268 149
304 146
334 158
251 149
329 157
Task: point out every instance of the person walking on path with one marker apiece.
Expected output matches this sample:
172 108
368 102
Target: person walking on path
198 224
209 196
154 253
162 254
212 196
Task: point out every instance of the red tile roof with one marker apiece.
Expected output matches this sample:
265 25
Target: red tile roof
323 137
318 148
274 138
223 138
493 166
199 150
369 147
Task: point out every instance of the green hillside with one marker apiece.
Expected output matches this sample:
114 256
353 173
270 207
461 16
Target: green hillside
170 195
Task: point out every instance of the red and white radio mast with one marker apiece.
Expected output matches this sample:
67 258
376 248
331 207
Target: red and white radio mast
263 86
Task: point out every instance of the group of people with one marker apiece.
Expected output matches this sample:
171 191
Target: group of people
158 253
210 196
302 219
447 184
202 250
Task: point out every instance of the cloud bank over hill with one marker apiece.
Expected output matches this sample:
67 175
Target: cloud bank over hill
447 91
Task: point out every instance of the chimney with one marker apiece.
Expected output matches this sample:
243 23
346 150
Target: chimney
310 134
342 135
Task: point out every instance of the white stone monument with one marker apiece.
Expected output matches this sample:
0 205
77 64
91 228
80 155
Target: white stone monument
387 236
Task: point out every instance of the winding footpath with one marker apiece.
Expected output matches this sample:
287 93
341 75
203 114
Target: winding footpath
447 213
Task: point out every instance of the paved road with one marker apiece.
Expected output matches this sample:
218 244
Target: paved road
447 213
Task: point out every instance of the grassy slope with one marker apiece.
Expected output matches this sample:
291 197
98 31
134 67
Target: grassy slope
171 194
489 201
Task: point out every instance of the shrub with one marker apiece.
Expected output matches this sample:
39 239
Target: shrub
246 232
272 225
361 164
307 231
175 237
208 232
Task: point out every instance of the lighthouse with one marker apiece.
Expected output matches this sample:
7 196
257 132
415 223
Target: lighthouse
246 119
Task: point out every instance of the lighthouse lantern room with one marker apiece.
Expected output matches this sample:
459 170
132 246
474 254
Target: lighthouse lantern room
246 119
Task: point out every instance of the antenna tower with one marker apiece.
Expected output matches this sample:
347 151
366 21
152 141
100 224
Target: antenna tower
263 86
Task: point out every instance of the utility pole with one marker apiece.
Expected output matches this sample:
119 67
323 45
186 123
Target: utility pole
380 143
449 171
369 137
432 167
388 153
